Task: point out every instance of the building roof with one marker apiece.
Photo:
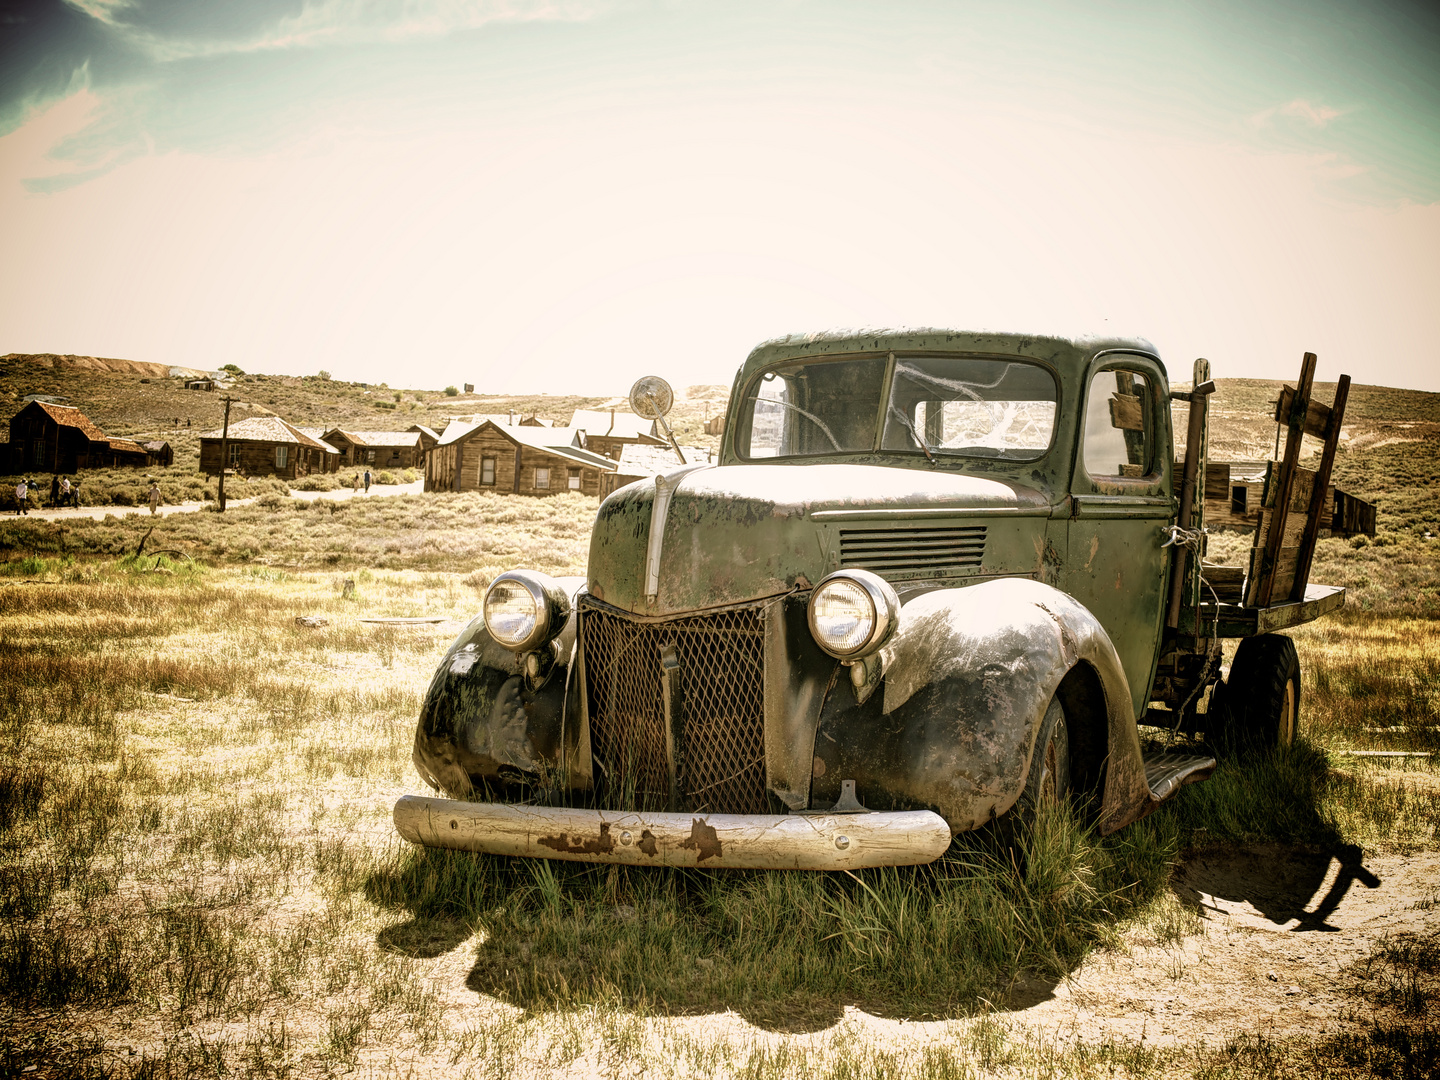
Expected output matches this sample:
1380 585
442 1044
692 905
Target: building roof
124 446
427 432
69 416
377 438
613 423
269 429
558 441
154 446
636 459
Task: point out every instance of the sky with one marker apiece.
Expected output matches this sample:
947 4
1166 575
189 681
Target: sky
562 195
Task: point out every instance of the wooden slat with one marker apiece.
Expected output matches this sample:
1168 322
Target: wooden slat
1217 480
1317 414
1264 589
1319 489
1126 413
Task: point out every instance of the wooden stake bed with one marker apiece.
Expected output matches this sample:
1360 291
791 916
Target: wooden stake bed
1238 620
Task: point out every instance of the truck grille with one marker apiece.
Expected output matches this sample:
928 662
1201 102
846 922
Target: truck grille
913 552
722 658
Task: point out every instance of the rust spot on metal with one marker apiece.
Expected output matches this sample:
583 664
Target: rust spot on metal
818 767
703 840
601 845
647 844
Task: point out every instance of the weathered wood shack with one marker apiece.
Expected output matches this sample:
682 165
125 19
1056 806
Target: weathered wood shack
45 437
379 449
159 452
525 460
642 462
267 446
1235 491
609 431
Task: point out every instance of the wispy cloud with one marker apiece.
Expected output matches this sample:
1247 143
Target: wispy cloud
1306 112
338 22
102 10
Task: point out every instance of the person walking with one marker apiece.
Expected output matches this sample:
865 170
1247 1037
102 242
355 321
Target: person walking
54 492
22 494
66 495
154 497
367 481
357 483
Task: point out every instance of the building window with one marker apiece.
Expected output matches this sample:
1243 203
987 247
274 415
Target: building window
370 457
542 479
234 455
574 479
487 471
282 456
37 454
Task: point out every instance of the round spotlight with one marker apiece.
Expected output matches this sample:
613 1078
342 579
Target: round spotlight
525 609
853 613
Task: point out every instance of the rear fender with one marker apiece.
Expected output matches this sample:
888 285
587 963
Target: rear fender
967 679
484 727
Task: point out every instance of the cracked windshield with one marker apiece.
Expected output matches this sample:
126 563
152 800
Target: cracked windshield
965 407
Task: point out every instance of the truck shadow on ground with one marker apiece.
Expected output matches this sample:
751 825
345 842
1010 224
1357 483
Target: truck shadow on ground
1274 884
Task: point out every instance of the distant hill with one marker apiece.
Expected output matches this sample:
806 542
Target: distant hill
137 399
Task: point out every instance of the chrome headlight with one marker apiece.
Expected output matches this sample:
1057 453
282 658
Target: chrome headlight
525 609
853 613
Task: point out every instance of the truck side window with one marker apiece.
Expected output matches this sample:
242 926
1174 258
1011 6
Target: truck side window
1117 425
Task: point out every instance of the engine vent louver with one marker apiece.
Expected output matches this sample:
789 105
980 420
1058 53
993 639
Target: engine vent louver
913 552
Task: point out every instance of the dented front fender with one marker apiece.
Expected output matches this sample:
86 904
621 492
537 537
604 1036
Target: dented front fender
967 679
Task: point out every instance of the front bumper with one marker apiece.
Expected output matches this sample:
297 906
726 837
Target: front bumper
727 841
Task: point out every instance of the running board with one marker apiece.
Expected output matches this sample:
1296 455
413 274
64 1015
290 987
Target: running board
1168 773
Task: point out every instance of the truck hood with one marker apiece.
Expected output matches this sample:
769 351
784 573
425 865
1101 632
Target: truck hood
733 533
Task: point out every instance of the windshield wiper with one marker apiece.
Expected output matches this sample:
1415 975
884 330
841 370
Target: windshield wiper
914 434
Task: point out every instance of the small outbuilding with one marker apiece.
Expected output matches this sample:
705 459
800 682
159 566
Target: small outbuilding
267 446
379 449
207 385
487 456
643 462
159 452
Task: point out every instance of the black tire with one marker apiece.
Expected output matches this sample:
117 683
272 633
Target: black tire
1048 781
1260 706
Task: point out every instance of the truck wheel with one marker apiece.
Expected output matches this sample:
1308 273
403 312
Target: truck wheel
1261 708
1048 782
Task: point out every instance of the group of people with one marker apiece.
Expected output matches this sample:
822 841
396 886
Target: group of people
366 481
62 493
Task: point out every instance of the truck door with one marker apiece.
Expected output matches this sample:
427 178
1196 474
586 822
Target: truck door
1121 495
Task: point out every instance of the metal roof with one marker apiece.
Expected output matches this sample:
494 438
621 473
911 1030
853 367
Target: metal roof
269 429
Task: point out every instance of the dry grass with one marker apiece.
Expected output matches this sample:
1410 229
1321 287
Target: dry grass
196 863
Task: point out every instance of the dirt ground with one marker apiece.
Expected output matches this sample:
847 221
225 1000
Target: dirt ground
1279 936
1275 943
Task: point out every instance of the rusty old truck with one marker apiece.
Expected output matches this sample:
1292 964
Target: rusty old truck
932 576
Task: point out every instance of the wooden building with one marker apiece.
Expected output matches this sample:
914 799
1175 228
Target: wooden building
45 437
159 452
1235 494
609 431
642 462
267 446
380 449
525 460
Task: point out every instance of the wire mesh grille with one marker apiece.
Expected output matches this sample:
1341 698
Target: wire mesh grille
722 660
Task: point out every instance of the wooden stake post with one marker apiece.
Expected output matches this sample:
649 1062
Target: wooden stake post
1284 548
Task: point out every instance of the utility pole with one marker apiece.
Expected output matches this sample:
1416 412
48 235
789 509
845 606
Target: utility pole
224 454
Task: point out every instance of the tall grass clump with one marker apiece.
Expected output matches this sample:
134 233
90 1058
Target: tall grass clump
934 940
